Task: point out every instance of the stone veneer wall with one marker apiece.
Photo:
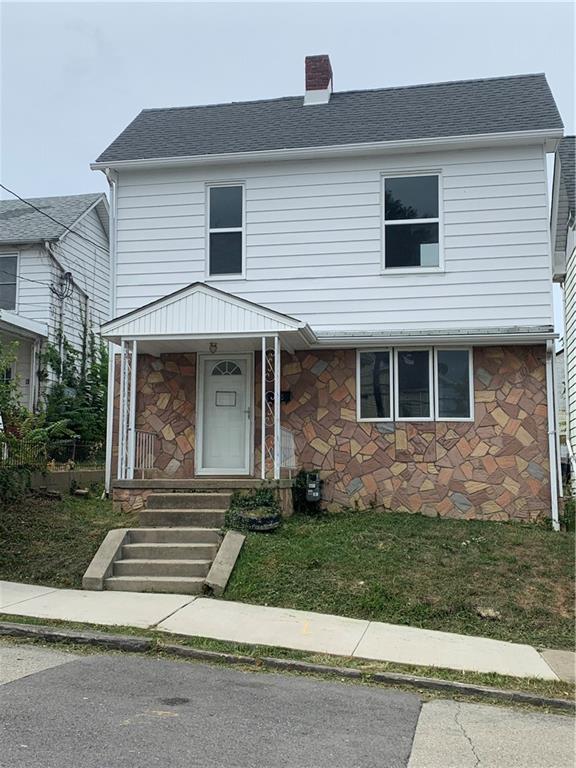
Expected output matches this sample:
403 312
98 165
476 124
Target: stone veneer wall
495 468
166 405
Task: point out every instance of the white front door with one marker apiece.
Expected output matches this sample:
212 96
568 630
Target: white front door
224 414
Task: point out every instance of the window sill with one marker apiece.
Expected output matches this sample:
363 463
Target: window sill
215 278
411 270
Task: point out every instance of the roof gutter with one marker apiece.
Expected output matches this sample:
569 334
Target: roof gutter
546 136
450 339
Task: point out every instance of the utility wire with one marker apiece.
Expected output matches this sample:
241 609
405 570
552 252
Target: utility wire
21 277
61 224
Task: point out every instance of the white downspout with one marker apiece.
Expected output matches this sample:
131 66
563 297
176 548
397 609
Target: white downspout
550 400
111 176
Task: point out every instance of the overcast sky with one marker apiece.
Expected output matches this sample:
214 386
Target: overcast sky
73 75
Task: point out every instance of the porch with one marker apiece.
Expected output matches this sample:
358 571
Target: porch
202 398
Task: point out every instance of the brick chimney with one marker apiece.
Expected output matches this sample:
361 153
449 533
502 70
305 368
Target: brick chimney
318 80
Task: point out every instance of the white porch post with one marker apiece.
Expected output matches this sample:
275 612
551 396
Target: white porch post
277 457
131 452
110 417
263 410
122 413
127 414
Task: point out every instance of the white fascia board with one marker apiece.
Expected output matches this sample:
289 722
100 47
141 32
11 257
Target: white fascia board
546 137
23 325
70 230
294 335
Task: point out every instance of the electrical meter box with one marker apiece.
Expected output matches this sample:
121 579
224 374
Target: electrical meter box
312 486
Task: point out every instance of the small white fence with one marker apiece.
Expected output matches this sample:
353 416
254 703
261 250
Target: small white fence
287 450
145 451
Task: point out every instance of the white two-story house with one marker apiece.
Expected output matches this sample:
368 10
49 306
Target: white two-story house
357 284
54 279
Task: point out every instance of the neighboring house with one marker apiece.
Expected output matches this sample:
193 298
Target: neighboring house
563 225
560 387
372 266
54 276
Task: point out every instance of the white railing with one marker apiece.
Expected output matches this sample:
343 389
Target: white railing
145 452
287 449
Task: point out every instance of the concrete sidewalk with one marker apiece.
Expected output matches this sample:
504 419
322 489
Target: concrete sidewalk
286 628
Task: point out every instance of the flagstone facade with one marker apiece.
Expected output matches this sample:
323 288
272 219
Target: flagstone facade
494 468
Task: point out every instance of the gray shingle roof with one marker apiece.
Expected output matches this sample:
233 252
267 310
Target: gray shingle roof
461 108
566 206
19 223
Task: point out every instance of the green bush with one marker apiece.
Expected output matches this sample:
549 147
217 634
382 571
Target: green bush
14 484
80 394
257 503
568 517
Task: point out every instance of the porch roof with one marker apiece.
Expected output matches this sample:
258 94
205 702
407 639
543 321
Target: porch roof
200 311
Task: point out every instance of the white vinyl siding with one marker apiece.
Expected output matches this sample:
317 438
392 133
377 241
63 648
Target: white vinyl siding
570 336
314 240
90 268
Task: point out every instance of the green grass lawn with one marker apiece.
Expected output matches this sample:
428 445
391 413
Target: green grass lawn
404 569
46 541
409 569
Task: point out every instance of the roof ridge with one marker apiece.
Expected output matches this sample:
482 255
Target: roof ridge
353 91
54 197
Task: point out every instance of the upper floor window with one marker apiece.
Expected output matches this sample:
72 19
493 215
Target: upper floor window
226 230
412 222
8 281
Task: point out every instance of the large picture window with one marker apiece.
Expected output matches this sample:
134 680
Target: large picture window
8 281
415 385
412 222
225 230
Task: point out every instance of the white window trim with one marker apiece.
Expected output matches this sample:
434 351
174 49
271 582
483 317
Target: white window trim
397 383
359 391
439 220
4 255
433 383
242 229
470 351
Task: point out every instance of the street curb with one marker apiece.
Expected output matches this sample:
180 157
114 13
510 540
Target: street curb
144 644
101 639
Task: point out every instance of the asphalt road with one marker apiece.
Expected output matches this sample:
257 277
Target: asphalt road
133 712
114 711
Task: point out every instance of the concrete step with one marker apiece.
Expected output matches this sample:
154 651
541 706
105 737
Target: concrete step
163 567
175 536
181 518
179 585
169 551
188 501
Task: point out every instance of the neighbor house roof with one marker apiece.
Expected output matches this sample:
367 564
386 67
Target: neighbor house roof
567 151
453 109
566 203
20 223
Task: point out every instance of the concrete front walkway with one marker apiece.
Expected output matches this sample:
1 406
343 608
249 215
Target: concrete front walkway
281 627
